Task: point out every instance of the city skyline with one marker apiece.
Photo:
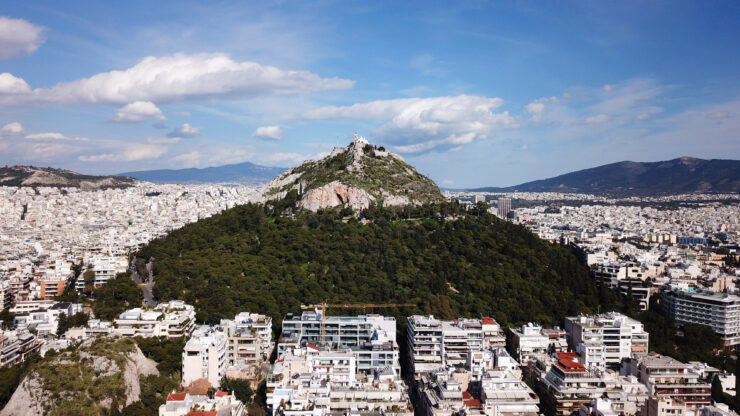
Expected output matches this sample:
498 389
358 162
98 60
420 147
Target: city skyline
511 92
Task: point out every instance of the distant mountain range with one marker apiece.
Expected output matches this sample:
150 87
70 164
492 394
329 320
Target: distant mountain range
677 176
53 177
242 173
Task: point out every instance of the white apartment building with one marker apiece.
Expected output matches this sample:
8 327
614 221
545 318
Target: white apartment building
105 268
503 393
619 334
16 346
204 356
424 335
169 319
6 294
308 381
434 344
667 377
529 341
719 311
371 338
340 331
46 321
31 305
222 403
249 339
572 384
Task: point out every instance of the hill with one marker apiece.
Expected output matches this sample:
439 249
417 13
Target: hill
677 176
36 176
245 173
355 176
448 262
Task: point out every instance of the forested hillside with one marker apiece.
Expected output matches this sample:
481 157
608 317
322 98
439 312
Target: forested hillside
474 265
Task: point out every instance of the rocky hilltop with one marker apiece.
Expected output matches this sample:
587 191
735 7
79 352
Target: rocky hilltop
355 176
87 380
36 176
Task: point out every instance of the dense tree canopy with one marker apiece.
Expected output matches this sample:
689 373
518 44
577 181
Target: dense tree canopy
116 296
471 264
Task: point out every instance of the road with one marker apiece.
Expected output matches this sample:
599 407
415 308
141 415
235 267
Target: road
146 287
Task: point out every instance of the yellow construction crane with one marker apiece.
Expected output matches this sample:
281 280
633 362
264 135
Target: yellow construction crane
324 306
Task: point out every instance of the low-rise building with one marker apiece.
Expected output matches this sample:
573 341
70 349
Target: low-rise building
16 346
531 340
185 404
620 335
313 381
169 319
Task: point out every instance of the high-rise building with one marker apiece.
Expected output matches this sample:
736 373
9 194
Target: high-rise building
719 311
504 207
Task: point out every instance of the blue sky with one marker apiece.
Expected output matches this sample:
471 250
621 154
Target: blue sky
473 94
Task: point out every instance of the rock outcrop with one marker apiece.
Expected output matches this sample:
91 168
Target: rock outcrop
89 377
356 177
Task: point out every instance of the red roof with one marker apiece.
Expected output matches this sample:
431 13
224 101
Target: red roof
201 414
221 394
313 347
467 395
567 362
487 320
472 403
176 397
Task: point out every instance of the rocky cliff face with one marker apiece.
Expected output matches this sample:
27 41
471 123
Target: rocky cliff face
355 176
84 380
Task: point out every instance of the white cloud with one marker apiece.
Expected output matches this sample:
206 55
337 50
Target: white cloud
12 85
18 37
599 118
132 153
535 109
185 130
53 136
268 133
137 111
718 115
608 88
12 129
422 124
178 77
163 140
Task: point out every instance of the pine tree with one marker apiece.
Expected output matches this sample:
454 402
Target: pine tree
717 390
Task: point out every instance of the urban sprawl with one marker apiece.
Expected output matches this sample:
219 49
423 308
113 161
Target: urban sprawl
674 249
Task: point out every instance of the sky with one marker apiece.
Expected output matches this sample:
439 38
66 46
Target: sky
472 93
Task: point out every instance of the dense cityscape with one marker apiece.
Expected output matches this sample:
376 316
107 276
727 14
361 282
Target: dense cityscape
353 208
323 364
